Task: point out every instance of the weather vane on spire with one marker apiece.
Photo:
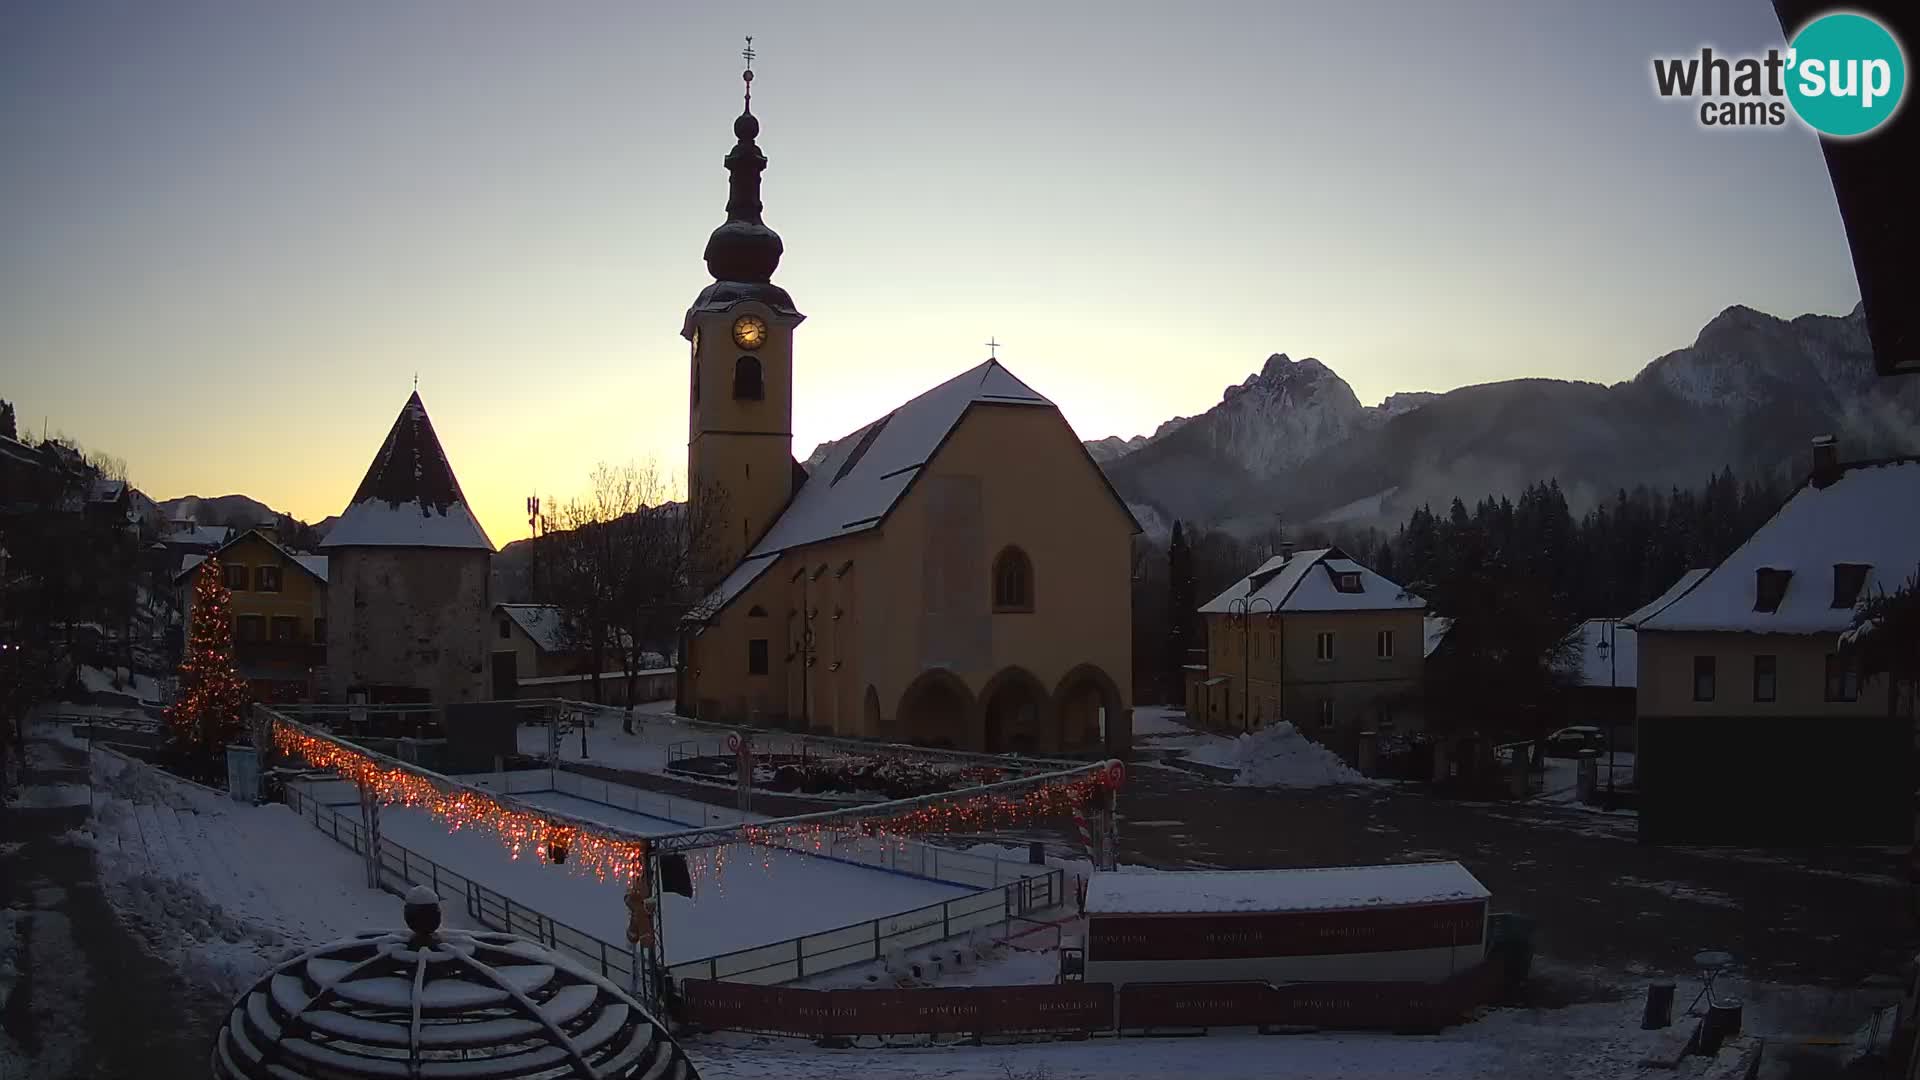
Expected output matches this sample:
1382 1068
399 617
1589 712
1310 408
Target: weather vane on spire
748 54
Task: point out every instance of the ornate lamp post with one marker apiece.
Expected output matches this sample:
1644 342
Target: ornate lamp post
1609 649
1243 609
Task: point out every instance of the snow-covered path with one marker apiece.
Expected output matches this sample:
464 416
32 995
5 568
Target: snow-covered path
219 887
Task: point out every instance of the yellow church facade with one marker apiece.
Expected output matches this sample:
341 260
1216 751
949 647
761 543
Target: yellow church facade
956 573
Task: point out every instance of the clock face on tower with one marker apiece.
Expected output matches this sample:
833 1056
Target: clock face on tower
749 332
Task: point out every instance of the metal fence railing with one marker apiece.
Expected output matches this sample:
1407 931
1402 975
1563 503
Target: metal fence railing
401 868
781 961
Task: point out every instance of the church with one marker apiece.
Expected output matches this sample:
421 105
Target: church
955 573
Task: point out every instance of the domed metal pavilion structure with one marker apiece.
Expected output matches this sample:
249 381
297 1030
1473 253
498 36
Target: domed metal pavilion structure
440 1003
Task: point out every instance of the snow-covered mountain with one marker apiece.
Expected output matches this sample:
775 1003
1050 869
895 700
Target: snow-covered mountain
223 510
1744 361
1113 446
1292 443
1287 411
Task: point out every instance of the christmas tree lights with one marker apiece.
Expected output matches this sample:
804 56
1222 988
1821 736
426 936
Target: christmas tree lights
211 710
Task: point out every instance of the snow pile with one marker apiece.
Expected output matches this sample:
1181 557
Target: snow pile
220 889
1279 756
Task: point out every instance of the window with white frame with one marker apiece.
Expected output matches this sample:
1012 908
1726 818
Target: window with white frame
1383 644
1326 714
1323 645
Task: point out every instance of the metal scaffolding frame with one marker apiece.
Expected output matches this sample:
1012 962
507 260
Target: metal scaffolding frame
1102 773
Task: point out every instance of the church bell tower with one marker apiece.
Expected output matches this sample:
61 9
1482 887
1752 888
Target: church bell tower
740 462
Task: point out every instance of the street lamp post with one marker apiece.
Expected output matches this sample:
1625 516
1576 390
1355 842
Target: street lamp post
1242 608
1609 647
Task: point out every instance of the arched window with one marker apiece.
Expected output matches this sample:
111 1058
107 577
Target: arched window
1012 581
746 379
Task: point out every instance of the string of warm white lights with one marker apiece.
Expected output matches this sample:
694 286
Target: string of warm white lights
587 848
212 703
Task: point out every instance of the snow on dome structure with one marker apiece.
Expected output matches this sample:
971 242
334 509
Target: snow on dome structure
427 1002
408 563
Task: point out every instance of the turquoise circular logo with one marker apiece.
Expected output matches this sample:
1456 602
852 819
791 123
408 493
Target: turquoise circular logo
1845 74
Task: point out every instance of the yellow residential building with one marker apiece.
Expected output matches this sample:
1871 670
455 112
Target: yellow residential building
1315 639
279 610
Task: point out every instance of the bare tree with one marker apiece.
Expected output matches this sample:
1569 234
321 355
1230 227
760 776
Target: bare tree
586 552
675 553
627 563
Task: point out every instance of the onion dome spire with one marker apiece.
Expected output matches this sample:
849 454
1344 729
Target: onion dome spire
744 249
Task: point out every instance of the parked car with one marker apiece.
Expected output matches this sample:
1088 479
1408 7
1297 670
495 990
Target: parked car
1569 741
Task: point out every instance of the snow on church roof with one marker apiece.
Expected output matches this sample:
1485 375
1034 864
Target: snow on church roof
866 473
409 497
1326 888
1289 583
859 482
1868 516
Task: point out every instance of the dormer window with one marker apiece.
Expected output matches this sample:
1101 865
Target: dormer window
1848 580
1347 581
1770 587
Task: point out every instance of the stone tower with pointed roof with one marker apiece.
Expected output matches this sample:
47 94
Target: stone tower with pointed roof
408 578
955 573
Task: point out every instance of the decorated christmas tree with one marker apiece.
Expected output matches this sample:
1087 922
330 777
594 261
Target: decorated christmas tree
211 710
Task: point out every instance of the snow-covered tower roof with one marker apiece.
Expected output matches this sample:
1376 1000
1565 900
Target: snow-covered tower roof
431 1002
409 497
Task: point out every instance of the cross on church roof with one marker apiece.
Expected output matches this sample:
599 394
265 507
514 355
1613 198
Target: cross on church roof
748 54
993 348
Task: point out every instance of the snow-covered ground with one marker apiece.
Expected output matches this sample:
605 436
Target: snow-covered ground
120 681
1563 775
1154 721
219 888
1165 728
744 895
644 751
980 960
1278 756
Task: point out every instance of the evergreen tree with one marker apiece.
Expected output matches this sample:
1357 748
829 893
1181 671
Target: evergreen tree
211 709
1885 640
7 426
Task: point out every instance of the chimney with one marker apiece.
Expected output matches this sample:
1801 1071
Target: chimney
1286 549
1826 461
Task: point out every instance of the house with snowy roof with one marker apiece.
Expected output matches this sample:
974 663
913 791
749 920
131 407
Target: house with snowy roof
279 606
956 572
1318 640
1603 667
536 650
408 568
1753 725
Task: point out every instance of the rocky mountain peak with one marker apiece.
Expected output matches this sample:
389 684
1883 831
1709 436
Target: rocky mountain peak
1281 375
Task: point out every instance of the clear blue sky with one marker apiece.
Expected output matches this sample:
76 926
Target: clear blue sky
234 231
